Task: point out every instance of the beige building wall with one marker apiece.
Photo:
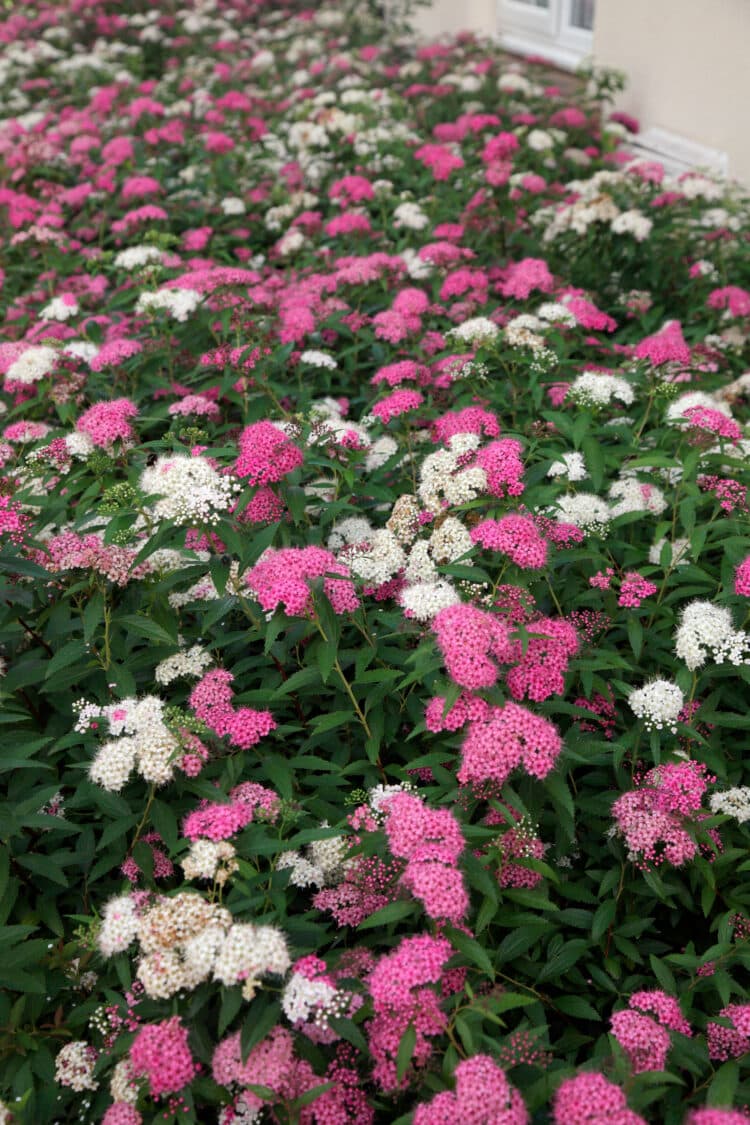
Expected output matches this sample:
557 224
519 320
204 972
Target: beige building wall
444 17
688 69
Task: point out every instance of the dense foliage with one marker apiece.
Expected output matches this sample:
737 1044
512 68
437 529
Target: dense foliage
375 573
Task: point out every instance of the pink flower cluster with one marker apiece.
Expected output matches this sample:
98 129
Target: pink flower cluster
742 578
441 161
215 821
14 522
470 420
539 672
108 422
633 589
473 643
400 402
467 707
160 1053
644 1040
705 420
516 536
281 577
731 297
483 1096
658 817
401 987
730 1042
430 841
665 346
271 1064
525 276
70 551
501 461
266 454
591 1099
211 700
506 738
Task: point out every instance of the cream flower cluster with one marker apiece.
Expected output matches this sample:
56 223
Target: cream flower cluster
188 663
185 940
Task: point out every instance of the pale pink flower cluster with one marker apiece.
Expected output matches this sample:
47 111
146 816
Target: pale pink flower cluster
657 818
71 551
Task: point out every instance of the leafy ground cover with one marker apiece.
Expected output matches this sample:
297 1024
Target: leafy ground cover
375 559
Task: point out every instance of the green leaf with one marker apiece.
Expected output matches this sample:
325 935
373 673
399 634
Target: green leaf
406 1047
724 1084
393 912
578 1007
472 950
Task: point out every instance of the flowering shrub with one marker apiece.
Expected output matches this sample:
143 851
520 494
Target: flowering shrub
374 563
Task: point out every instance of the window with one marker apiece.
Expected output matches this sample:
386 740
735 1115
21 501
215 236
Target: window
560 30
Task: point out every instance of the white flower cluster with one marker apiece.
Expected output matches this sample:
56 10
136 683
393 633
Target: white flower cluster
477 330
323 864
732 802
136 257
141 742
178 303
554 312
707 630
81 349
658 704
190 489
210 859
633 223
677 409
188 663
443 475
594 389
410 216
204 590
584 510
123 1085
571 465
318 359
59 309
679 547
523 331
629 495
32 365
185 940
232 205
375 559
305 1000
74 1066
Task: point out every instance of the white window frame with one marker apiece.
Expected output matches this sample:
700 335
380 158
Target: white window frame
527 30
